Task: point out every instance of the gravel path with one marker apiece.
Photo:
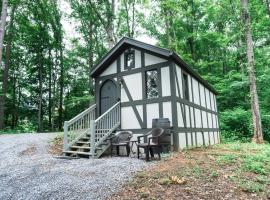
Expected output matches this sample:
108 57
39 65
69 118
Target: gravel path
28 171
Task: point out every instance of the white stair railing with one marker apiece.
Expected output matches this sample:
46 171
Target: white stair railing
78 126
103 126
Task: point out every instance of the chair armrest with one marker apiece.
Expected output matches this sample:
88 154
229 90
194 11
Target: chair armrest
151 138
139 138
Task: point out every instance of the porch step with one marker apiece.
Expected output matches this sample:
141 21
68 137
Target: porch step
84 147
79 153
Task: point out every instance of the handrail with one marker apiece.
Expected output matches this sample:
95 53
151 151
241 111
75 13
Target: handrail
82 114
78 126
103 126
104 114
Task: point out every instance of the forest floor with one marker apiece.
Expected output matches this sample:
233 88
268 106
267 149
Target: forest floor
226 171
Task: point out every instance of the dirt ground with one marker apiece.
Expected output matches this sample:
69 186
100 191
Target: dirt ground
204 173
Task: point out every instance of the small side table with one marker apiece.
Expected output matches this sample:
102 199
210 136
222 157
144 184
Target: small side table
132 143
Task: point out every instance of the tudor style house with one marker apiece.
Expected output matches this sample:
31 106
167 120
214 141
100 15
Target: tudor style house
136 82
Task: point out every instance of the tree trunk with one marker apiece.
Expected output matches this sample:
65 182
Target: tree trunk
60 110
110 27
5 75
90 56
50 90
257 127
267 4
40 88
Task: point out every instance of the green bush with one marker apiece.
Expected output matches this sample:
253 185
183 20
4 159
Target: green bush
236 125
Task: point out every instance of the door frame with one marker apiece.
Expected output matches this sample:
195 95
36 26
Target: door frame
99 92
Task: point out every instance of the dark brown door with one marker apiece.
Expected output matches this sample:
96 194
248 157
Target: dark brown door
108 96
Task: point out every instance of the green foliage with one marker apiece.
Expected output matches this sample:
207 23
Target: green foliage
236 124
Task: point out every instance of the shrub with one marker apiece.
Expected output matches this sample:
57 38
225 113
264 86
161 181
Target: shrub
236 125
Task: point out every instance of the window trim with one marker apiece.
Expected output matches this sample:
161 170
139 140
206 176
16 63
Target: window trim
129 51
158 81
185 86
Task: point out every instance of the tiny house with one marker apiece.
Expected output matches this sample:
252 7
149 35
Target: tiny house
148 82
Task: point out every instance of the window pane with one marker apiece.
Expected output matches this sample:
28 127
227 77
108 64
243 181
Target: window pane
130 59
152 84
185 87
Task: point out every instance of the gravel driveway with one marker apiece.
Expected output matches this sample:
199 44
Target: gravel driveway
28 171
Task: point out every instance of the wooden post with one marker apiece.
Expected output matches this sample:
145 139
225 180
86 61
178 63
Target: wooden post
93 137
65 136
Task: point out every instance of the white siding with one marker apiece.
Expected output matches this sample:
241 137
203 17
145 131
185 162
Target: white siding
151 60
112 69
196 91
190 88
204 118
212 101
179 78
215 103
198 118
124 97
182 140
165 81
207 94
214 121
210 120
179 116
127 114
134 85
189 137
202 95
187 116
212 138
152 111
199 139
140 110
138 59
206 138
167 110
192 117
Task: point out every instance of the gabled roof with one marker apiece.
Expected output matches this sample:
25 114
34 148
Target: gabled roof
125 42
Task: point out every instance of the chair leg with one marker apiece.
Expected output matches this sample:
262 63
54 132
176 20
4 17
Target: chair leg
159 150
117 149
128 150
111 149
151 152
147 154
138 152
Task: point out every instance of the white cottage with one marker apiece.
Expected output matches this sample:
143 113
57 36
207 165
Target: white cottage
136 82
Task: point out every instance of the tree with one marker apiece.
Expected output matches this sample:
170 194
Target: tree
5 76
256 116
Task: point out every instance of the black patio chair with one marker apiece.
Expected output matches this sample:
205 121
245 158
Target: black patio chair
121 138
153 143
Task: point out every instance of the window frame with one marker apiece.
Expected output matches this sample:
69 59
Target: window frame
129 51
185 86
157 83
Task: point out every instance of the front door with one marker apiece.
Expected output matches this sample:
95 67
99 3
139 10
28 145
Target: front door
108 96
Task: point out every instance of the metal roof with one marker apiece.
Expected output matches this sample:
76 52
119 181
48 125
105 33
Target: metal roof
125 42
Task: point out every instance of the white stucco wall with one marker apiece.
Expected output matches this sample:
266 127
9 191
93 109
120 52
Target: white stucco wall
165 81
129 119
152 111
112 69
182 140
134 85
151 59
179 78
179 115
198 118
167 110
202 95
196 91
